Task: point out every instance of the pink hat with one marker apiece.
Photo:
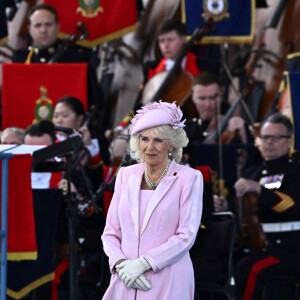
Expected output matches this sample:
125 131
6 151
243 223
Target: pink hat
155 114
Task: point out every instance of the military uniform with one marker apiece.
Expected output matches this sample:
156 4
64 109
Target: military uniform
279 214
197 129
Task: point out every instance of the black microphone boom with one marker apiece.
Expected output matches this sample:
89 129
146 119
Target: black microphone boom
58 149
49 127
65 129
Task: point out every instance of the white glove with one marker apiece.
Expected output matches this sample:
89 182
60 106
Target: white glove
132 269
141 283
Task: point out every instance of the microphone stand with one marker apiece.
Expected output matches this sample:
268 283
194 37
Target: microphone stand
69 149
86 181
72 215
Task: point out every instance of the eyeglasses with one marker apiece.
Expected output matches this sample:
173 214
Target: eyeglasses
274 138
214 97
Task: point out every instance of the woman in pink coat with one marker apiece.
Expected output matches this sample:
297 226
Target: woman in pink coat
155 212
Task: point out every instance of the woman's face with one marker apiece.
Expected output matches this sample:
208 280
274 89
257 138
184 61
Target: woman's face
154 149
64 116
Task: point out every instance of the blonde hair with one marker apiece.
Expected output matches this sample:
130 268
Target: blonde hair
177 138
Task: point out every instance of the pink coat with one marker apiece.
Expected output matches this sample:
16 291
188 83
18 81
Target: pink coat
169 230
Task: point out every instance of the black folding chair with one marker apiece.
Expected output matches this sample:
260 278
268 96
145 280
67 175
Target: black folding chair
212 257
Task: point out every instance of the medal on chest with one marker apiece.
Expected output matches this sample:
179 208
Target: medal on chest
272 182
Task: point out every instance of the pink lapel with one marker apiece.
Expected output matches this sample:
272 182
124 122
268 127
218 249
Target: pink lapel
134 187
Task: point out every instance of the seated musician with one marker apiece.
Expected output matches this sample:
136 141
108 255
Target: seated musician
207 97
171 40
12 135
35 135
275 183
69 112
43 29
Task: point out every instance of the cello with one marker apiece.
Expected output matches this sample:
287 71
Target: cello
218 133
277 36
176 84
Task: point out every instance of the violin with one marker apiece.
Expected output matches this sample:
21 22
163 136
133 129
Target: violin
226 137
221 126
251 233
250 225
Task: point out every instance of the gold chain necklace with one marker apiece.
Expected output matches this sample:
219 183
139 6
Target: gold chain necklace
153 185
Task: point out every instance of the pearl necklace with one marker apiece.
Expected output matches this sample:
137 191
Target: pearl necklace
153 185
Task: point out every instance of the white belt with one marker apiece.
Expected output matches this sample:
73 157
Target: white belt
281 227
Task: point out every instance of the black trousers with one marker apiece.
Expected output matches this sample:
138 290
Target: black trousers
253 272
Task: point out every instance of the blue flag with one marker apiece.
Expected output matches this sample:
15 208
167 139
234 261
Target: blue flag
234 19
293 82
3 25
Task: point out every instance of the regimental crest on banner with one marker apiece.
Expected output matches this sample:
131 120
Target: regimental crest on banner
89 8
43 108
105 20
48 83
215 9
234 20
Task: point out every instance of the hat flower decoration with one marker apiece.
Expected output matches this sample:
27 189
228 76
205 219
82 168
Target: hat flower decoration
155 114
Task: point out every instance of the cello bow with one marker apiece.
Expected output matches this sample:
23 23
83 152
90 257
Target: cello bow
221 126
70 40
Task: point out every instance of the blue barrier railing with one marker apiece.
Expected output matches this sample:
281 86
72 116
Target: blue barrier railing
3 232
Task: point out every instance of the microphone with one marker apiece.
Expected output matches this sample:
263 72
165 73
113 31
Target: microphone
49 127
65 129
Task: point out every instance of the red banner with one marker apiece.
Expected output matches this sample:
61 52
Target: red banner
30 92
21 239
108 174
105 20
